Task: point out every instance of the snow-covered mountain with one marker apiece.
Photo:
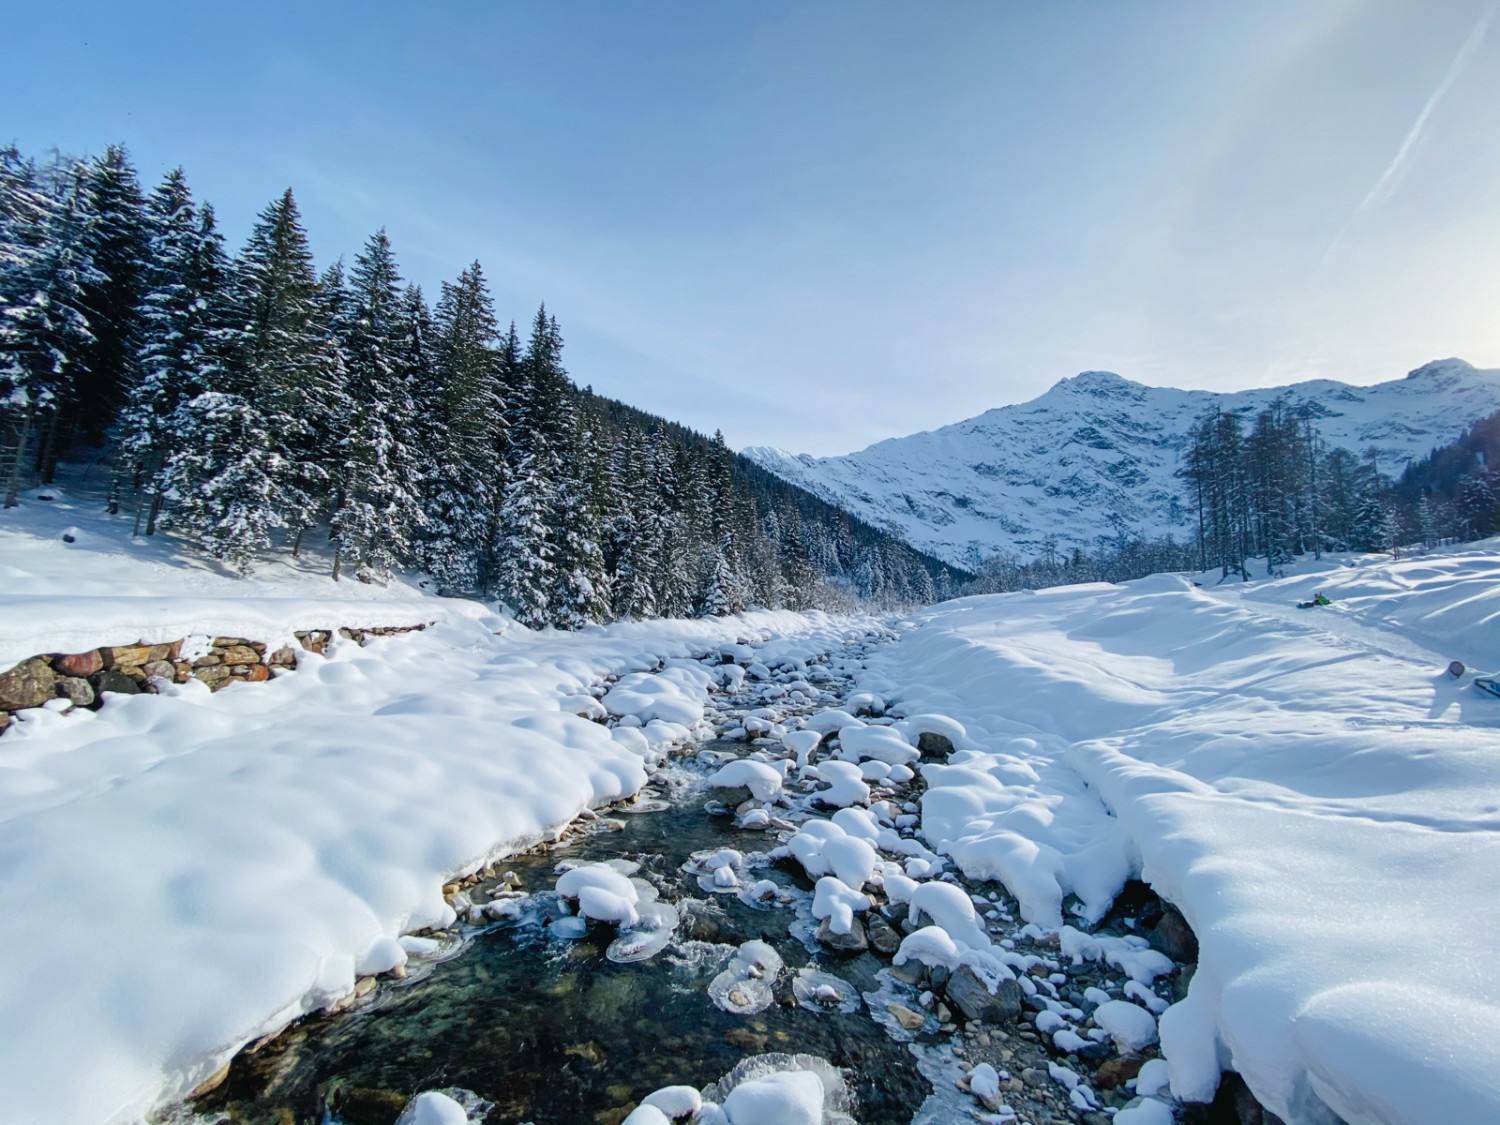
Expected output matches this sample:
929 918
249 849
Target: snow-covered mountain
1099 452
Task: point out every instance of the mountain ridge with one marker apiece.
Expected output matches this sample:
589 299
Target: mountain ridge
1096 455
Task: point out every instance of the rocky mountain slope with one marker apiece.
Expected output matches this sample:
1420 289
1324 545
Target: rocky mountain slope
1098 454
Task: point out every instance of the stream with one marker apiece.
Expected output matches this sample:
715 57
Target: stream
527 1019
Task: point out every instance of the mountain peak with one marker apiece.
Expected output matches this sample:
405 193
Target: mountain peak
1099 452
1100 384
1440 368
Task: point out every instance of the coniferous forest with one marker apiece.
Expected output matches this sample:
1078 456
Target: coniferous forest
251 403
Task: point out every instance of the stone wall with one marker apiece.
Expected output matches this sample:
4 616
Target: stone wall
81 678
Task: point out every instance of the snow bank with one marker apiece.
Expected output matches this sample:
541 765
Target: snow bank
1309 787
238 857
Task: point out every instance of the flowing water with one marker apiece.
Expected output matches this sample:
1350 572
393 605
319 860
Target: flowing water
551 1031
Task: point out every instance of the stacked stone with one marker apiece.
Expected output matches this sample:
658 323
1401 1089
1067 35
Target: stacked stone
82 677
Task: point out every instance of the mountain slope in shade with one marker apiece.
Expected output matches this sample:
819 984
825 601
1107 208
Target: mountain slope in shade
1098 454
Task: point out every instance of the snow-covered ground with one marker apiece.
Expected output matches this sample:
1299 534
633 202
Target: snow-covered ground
1312 789
1321 800
185 872
100 585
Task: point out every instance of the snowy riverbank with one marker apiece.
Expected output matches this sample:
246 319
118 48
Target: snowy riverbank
1310 787
233 858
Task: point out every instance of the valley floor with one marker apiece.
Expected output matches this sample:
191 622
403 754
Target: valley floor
185 872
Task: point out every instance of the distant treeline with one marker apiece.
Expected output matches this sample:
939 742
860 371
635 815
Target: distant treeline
1269 488
249 403
1273 489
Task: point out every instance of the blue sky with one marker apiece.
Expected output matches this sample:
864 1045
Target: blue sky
818 224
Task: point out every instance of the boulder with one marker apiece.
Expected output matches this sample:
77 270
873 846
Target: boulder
215 676
125 656
79 663
76 689
237 654
968 994
116 681
29 684
162 668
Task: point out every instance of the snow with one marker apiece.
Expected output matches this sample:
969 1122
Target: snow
1097 450
433 1108
846 785
838 902
1147 1112
1129 1025
675 1101
1310 788
881 744
793 1097
244 855
762 779
984 1081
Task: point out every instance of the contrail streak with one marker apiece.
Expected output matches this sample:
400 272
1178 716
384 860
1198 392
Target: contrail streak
1392 174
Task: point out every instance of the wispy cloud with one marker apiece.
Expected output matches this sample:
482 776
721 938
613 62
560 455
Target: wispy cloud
1390 179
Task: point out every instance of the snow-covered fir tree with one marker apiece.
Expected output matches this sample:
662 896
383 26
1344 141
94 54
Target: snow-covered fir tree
46 273
377 480
224 481
467 412
182 336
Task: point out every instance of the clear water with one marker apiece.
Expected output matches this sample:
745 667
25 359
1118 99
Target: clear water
553 1032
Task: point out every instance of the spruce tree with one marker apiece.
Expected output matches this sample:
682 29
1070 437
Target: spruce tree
466 477
292 377
377 501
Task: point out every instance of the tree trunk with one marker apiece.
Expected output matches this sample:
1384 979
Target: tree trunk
13 481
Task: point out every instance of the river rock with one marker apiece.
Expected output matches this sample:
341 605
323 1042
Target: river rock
908 973
852 942
883 937
934 745
79 663
1117 1071
968 994
907 1018
29 684
76 689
